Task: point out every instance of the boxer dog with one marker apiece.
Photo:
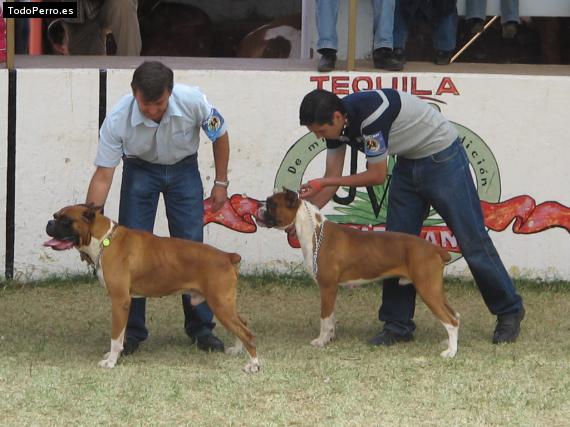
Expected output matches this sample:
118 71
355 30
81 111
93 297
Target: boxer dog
136 263
335 254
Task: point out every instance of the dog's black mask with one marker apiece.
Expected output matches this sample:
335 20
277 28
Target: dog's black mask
64 236
279 210
266 214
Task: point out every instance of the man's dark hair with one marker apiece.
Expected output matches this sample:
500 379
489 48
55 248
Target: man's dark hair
152 78
318 107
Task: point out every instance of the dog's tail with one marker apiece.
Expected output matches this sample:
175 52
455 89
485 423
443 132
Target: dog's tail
234 258
443 254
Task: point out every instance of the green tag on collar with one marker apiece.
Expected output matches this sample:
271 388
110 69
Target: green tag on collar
106 242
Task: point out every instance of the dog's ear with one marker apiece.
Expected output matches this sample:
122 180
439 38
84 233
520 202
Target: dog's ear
92 206
91 212
291 198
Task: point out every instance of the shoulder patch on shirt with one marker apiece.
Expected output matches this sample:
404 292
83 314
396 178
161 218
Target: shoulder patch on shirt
213 124
374 145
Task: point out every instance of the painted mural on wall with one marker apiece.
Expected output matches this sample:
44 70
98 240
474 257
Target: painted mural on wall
366 210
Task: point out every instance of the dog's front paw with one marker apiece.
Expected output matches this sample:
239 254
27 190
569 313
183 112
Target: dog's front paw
321 342
448 354
252 367
108 361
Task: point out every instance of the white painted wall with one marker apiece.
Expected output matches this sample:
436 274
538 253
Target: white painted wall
522 118
57 128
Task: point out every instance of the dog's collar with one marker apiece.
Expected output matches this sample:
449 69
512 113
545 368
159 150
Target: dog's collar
108 236
106 241
103 243
318 239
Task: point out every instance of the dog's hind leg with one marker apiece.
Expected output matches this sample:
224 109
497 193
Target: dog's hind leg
120 313
237 348
225 311
432 294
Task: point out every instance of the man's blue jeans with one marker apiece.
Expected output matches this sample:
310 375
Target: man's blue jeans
478 9
443 181
327 14
443 30
181 187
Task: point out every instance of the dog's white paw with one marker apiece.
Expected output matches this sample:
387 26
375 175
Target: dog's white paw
235 350
107 363
109 360
321 342
448 354
252 367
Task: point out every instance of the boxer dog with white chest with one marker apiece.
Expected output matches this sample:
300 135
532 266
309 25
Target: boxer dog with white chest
335 254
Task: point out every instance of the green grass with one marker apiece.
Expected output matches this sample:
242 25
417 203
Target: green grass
52 334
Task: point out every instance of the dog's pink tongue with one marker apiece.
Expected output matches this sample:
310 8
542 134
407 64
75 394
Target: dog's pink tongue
59 245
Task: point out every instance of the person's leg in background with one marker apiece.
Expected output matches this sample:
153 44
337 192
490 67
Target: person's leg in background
406 210
509 18
475 14
140 190
88 38
382 55
400 32
444 34
184 201
120 18
326 15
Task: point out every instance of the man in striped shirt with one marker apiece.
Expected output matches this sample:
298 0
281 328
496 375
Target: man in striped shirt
431 169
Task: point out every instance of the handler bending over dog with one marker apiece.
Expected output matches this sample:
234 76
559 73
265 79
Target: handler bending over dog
431 169
156 133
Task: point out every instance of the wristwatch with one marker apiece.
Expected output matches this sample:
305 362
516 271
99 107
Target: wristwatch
224 184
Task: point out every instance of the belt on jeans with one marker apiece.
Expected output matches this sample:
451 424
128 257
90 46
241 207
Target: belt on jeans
139 161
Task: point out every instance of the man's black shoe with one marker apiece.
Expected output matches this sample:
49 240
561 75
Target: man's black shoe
509 30
208 343
129 346
384 58
327 61
400 55
476 25
508 327
442 57
388 338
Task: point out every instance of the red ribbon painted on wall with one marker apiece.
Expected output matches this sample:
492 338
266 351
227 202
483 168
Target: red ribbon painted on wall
239 211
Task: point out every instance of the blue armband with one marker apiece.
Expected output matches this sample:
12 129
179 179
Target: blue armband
213 125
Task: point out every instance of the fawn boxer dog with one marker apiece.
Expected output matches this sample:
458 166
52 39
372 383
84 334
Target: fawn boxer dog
335 254
136 263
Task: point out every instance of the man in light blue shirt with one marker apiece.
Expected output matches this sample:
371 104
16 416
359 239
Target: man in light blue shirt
155 131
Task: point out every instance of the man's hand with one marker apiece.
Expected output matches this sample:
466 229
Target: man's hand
311 188
219 196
